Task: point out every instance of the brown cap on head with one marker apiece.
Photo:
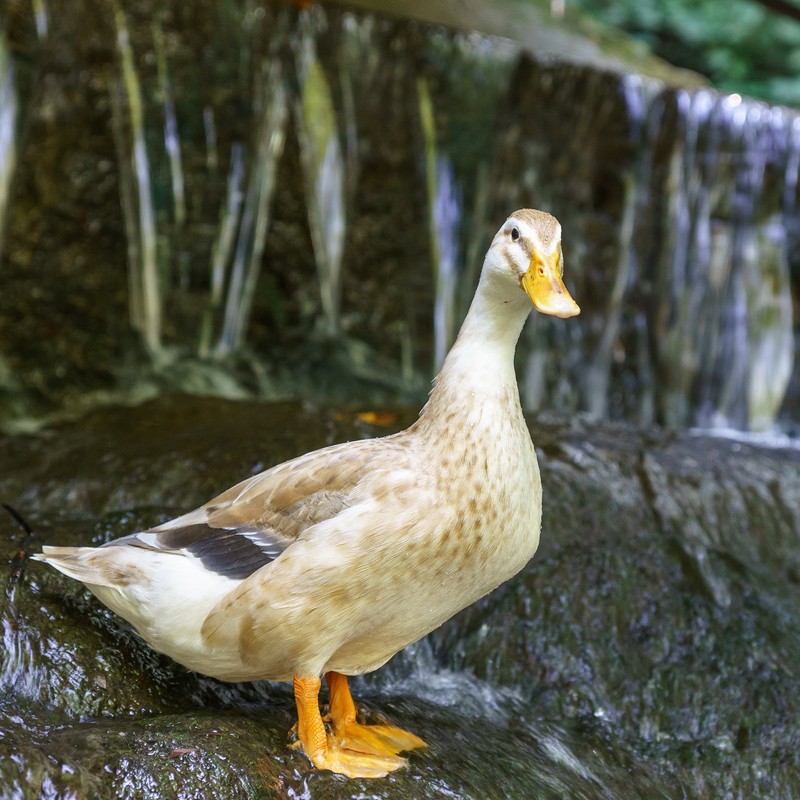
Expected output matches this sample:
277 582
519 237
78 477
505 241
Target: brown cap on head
546 227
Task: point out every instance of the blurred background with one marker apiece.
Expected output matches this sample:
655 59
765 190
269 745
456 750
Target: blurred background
213 207
293 199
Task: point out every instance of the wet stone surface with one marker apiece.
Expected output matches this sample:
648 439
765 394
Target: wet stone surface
651 648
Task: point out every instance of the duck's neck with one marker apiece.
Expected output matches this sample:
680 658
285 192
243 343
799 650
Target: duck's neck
481 362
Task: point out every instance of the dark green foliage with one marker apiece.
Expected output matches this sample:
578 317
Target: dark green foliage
740 45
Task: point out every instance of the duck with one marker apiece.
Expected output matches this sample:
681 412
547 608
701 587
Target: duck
329 564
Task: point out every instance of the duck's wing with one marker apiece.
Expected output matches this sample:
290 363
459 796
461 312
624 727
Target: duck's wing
252 523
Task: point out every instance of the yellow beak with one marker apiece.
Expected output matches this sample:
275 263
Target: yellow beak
545 287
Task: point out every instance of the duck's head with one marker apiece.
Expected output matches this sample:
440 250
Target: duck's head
527 250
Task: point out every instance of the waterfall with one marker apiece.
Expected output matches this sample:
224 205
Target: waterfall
679 253
444 218
255 216
324 169
154 233
8 129
172 141
8 157
284 176
716 285
445 221
638 95
137 195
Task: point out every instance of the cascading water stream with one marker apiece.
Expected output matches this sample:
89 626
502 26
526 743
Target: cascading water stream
237 250
324 169
638 96
255 216
223 244
768 285
444 221
8 129
719 308
8 156
136 188
678 208
172 141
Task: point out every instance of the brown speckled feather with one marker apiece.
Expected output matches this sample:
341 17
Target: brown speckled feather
293 496
254 522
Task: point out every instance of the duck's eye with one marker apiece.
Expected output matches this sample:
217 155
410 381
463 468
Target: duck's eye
514 234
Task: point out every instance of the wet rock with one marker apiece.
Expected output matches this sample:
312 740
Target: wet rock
651 648
663 602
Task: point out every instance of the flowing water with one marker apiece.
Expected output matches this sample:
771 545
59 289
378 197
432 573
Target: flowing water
8 125
252 227
720 301
444 213
679 210
324 170
136 191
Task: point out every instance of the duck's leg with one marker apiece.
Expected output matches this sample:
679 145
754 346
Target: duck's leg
326 752
378 740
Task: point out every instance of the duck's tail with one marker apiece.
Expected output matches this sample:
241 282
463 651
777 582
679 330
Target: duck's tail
85 564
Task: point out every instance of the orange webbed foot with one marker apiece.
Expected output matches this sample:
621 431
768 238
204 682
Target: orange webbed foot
380 740
354 750
351 764
383 740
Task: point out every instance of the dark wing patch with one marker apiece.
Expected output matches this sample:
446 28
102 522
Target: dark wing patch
233 554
